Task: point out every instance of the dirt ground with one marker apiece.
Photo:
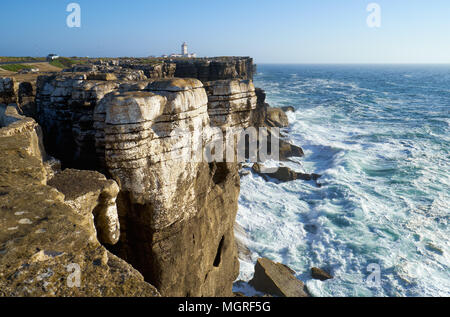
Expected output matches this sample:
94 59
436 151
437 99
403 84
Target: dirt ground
43 67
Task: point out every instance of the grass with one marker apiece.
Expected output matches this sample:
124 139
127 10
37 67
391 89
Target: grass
14 67
64 62
8 59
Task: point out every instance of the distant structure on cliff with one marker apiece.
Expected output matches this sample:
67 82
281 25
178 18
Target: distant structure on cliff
184 52
52 57
184 49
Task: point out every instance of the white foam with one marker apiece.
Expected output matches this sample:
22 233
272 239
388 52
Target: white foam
384 198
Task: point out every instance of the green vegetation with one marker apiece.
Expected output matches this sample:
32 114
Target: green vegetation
64 62
14 67
9 59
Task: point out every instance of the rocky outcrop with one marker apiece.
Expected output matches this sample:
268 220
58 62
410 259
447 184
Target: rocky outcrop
212 69
166 211
319 274
203 69
20 92
289 150
174 210
288 109
283 174
65 105
46 247
93 197
276 118
8 90
277 279
231 102
153 70
259 115
265 116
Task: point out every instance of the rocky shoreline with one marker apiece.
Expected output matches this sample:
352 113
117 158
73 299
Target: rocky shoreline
95 189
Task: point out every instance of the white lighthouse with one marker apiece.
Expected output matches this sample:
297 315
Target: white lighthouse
184 49
184 52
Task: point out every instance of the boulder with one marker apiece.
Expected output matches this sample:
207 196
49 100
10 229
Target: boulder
288 150
283 173
277 279
288 108
319 274
277 118
94 198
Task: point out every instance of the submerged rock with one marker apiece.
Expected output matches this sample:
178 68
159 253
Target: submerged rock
244 252
433 248
277 279
282 173
319 274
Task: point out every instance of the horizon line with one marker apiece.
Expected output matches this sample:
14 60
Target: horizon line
261 63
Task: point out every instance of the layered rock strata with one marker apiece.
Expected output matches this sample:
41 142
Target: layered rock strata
231 102
155 70
65 105
20 92
176 212
204 69
215 68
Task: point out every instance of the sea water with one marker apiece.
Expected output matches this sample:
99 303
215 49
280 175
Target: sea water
380 137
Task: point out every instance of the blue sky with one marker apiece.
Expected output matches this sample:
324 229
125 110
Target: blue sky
283 31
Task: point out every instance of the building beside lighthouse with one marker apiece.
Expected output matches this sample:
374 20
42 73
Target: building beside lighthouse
184 52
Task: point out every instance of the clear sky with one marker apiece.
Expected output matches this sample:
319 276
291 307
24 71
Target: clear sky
283 31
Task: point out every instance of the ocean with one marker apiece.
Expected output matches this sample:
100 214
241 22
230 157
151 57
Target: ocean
379 135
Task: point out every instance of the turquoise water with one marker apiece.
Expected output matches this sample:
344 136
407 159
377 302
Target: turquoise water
379 135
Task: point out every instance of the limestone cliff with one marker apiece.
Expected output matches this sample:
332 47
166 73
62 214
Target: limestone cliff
204 69
176 212
159 207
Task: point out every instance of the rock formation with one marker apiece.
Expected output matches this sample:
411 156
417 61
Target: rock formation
159 205
94 198
283 174
174 210
277 279
43 240
65 105
231 102
19 91
206 69
320 274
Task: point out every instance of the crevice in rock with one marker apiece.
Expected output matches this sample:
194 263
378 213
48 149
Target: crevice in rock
218 258
220 172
